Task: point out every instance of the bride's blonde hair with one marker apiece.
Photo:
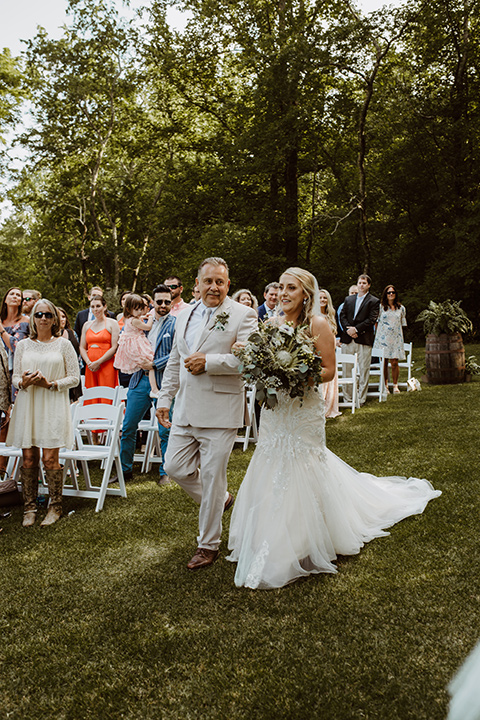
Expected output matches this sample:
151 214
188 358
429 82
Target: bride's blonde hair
310 287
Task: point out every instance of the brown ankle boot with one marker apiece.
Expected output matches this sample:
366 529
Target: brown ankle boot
55 487
29 479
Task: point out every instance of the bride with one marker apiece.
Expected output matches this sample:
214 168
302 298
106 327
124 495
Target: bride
299 505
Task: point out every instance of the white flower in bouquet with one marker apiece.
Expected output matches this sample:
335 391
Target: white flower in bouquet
280 358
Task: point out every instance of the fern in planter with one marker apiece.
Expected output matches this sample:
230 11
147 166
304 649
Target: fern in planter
445 318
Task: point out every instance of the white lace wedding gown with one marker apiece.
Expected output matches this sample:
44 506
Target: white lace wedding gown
300 506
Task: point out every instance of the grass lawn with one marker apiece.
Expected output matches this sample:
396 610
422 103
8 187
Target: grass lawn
101 619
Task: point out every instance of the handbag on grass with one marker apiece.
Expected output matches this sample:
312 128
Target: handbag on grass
9 493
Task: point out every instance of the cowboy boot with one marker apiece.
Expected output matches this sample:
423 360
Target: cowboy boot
29 479
55 487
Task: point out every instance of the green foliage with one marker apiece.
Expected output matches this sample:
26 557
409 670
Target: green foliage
445 317
298 132
472 367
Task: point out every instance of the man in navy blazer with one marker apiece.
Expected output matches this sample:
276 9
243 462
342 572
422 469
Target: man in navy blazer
267 309
358 317
138 397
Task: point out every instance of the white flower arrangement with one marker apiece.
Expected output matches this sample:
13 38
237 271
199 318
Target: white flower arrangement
221 320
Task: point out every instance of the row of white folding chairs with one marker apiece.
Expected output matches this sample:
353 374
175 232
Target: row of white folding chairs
251 429
85 418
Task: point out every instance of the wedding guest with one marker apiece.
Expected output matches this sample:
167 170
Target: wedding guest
389 334
358 317
174 284
13 328
66 331
5 389
120 318
85 315
98 345
139 401
267 309
330 389
45 368
352 290
30 297
245 297
195 295
134 350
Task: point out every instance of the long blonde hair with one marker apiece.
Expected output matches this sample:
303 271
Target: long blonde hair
310 287
330 311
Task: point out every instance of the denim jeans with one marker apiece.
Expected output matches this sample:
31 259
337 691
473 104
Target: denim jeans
138 402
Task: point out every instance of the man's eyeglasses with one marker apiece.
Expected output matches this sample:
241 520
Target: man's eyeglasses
46 315
173 287
163 302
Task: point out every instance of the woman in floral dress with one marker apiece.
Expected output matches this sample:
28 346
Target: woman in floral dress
389 335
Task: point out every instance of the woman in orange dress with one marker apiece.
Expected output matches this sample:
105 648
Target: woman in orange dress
98 345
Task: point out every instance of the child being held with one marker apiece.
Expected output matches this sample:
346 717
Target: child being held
133 345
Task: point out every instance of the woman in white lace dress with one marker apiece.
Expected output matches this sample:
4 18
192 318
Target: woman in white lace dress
45 368
300 505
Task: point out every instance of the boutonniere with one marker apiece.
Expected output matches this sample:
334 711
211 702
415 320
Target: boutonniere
221 320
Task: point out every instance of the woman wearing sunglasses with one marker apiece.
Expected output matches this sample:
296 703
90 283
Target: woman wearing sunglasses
45 368
389 334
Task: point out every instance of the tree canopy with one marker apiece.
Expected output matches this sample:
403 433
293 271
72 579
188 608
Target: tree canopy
294 132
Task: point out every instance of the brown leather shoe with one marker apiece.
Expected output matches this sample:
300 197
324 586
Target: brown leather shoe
229 502
202 558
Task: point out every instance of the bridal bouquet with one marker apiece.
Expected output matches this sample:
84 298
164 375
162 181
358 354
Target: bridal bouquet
280 358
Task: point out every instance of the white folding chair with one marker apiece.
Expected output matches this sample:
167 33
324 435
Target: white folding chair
153 449
350 380
120 394
102 392
251 430
14 461
407 363
107 417
376 380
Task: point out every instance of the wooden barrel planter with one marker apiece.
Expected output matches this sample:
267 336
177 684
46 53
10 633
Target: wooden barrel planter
445 359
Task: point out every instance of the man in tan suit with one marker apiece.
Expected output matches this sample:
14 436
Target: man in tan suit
202 374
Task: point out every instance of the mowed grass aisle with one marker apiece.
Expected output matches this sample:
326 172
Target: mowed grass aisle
101 619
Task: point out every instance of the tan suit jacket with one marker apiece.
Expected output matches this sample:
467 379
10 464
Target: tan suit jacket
214 399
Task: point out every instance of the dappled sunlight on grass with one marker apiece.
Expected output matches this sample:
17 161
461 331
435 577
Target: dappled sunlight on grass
101 618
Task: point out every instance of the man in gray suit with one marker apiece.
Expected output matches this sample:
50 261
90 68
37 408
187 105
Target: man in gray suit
202 374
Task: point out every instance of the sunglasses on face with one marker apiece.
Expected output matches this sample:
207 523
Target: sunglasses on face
163 302
27 299
391 292
173 287
46 315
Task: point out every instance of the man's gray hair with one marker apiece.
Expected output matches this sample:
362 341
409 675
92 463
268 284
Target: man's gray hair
212 261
